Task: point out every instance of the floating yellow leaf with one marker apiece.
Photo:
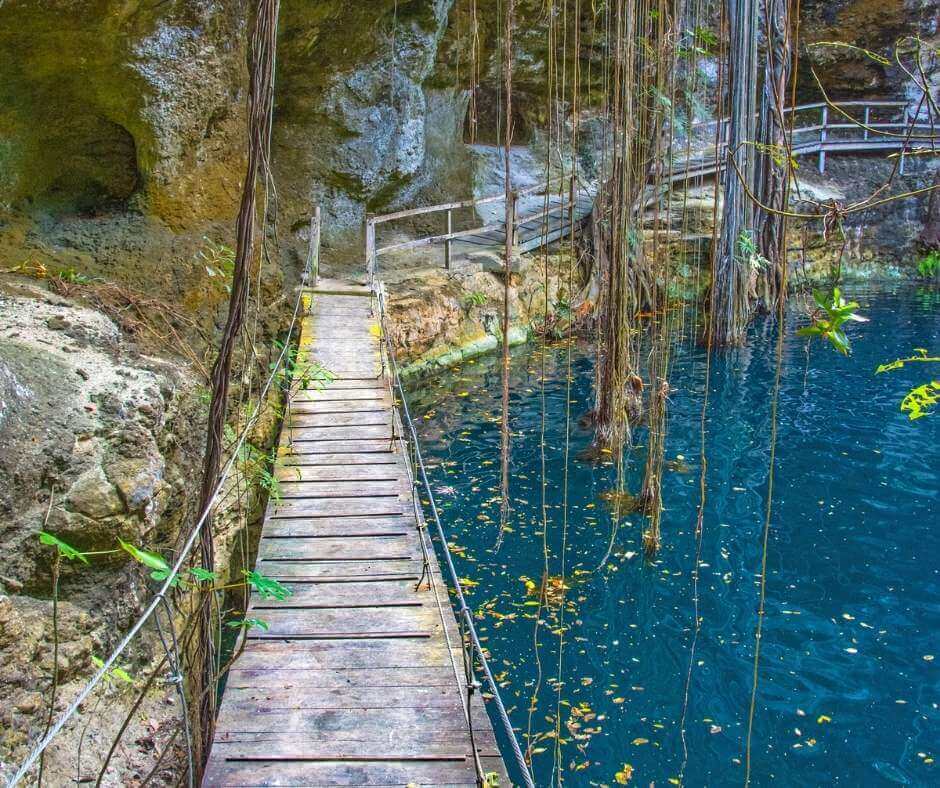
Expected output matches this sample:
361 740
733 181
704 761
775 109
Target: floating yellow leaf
640 740
624 775
823 718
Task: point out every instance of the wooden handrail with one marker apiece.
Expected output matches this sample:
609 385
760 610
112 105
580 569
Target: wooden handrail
702 164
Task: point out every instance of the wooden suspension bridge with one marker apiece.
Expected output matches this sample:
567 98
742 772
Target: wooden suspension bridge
367 674
361 676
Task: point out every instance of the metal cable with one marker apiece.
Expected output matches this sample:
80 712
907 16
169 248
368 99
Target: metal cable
464 610
160 596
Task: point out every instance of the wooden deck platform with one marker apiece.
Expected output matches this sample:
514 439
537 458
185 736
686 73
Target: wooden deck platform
358 679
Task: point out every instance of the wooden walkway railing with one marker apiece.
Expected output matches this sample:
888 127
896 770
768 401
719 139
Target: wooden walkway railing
818 129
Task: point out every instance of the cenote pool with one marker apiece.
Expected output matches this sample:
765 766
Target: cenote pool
849 683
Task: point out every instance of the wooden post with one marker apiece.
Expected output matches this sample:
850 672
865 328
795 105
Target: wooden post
370 248
315 246
824 121
867 122
450 229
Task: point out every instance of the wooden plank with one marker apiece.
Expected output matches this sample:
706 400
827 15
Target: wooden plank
303 454
343 697
337 507
294 489
336 392
389 723
293 773
297 571
360 405
368 418
342 623
346 547
334 448
348 655
358 593
319 527
342 433
278 677
339 473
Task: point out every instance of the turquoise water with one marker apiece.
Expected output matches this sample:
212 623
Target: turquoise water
848 686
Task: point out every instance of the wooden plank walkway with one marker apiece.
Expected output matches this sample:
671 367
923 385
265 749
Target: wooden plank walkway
358 679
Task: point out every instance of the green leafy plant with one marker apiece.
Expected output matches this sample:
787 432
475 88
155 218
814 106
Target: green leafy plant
267 587
64 549
306 373
747 250
219 262
474 298
115 673
929 265
248 623
203 575
921 400
831 314
160 569
73 277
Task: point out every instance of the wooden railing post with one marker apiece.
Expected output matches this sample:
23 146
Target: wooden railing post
450 229
867 122
314 252
370 248
824 121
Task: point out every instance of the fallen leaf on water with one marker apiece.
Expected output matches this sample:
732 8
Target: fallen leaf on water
624 775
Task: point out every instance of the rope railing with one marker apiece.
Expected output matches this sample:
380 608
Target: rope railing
473 652
161 597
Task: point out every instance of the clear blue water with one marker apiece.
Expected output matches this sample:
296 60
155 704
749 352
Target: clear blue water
848 691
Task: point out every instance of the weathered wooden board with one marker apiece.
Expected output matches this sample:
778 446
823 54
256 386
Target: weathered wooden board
337 489
337 507
318 527
358 677
314 571
225 772
339 473
361 405
348 548
350 594
337 419
301 447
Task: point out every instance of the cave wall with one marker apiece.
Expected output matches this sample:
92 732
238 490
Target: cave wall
105 105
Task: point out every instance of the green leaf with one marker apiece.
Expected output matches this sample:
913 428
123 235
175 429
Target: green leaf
147 558
248 623
267 587
113 673
203 575
65 550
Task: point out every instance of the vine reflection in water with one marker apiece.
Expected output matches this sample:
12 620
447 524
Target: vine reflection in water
848 689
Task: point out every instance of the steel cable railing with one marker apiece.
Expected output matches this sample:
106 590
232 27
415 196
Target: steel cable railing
172 579
464 614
